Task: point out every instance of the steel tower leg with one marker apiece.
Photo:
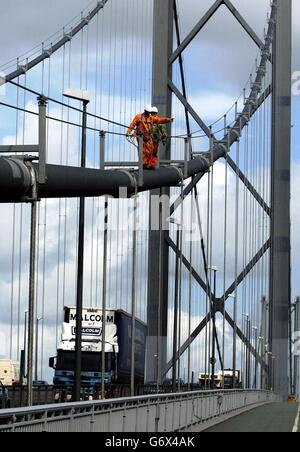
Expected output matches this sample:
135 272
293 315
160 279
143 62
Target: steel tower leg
280 290
156 353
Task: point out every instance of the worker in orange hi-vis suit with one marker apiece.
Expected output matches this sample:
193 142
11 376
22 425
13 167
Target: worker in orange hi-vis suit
143 124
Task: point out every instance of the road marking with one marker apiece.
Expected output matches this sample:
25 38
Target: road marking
296 425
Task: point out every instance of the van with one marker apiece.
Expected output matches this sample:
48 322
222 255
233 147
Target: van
9 372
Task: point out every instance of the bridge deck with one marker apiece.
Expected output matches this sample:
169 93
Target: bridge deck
272 418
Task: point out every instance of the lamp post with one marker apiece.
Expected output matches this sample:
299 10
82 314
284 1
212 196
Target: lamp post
255 329
261 340
270 365
25 340
23 352
155 370
234 351
266 358
176 305
248 356
213 316
37 346
83 97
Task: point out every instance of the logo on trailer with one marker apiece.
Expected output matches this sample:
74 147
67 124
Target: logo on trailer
92 316
89 332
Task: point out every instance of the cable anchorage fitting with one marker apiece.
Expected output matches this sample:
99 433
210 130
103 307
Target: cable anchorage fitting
133 180
224 145
236 130
181 175
49 52
27 161
23 67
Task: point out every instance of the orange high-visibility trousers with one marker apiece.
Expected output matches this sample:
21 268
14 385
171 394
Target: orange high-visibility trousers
150 154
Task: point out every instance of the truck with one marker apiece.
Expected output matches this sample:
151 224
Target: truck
9 372
221 382
117 349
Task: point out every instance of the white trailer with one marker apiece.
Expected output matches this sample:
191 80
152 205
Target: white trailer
9 372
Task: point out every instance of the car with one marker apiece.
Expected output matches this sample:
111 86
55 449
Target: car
4 397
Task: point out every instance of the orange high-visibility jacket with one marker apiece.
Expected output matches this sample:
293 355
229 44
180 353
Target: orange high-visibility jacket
143 124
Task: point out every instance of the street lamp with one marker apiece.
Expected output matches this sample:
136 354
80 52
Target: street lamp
255 329
234 348
83 97
37 346
23 352
155 370
214 269
176 304
248 355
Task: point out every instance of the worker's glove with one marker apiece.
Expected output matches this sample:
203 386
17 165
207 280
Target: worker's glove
132 134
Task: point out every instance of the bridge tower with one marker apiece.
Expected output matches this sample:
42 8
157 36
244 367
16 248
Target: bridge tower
280 282
158 248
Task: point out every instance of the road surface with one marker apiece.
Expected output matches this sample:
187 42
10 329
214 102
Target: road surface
275 417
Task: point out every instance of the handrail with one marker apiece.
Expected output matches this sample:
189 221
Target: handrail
152 413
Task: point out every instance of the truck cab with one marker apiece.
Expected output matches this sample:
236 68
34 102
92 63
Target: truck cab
117 349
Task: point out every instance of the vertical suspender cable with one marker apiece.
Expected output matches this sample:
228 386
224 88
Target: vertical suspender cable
58 275
94 272
67 162
45 242
211 303
104 295
180 284
190 294
12 281
176 306
13 248
31 310
208 304
225 249
235 319
133 299
21 238
42 224
159 339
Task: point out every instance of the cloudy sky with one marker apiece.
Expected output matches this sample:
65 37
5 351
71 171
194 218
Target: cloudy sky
218 64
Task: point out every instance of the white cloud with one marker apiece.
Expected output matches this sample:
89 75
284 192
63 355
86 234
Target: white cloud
211 105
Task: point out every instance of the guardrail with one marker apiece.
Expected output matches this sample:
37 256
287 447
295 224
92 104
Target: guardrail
16 396
154 413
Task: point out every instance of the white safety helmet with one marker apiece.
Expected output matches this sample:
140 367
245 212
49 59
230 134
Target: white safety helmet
155 110
148 108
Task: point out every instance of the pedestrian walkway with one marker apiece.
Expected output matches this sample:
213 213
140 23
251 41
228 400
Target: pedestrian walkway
272 418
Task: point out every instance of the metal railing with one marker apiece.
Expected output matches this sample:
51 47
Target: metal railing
153 413
16 396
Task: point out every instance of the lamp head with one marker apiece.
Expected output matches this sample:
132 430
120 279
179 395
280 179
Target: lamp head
77 94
